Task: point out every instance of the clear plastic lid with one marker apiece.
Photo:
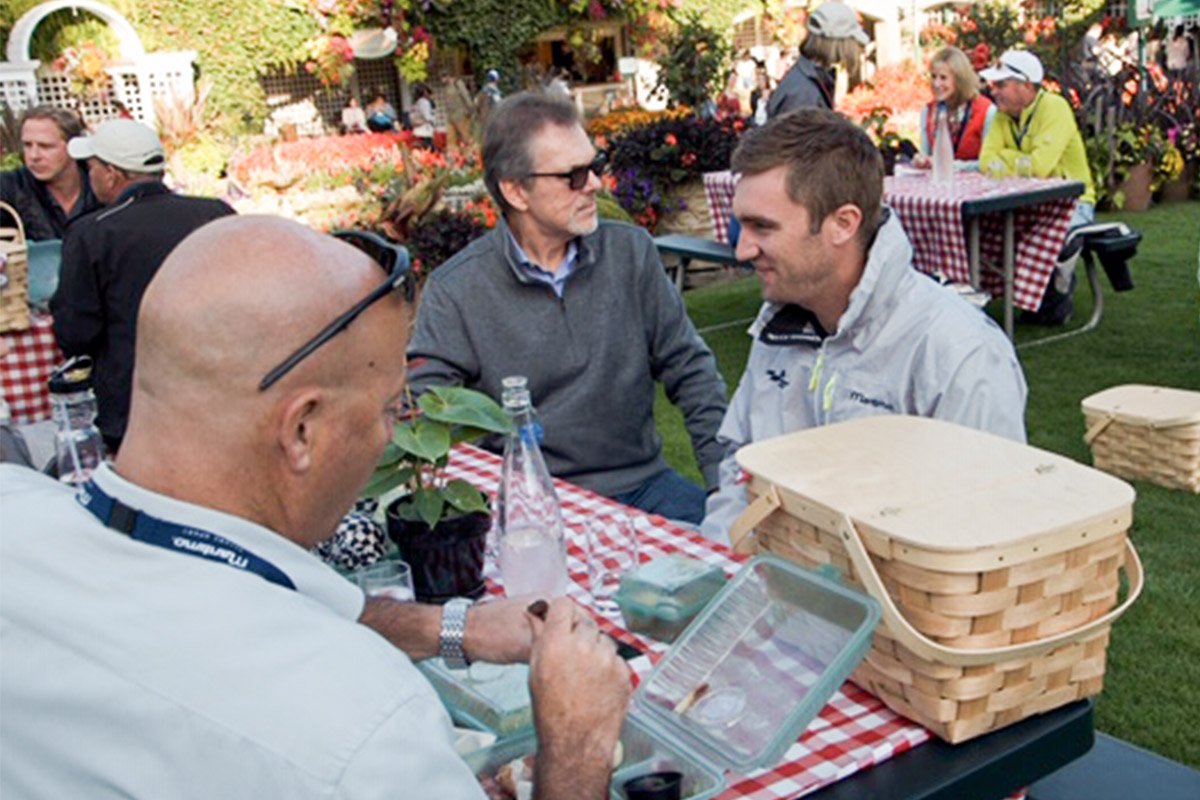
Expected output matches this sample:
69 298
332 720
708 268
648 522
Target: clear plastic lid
757 665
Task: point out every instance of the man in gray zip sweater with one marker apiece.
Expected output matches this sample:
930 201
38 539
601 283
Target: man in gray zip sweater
582 308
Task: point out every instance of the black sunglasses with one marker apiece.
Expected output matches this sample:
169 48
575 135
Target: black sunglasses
577 177
394 260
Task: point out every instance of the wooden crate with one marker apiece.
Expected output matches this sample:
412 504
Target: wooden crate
996 564
1147 433
14 291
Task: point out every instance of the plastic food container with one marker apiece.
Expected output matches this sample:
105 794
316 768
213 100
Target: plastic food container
660 598
735 692
487 697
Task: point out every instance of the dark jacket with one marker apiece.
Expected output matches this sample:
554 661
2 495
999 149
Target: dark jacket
108 260
592 358
805 85
41 214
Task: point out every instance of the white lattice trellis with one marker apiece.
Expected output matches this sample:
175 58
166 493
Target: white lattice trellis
138 80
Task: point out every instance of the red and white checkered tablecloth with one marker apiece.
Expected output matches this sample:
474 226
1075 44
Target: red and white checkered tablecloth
932 217
853 732
28 359
718 189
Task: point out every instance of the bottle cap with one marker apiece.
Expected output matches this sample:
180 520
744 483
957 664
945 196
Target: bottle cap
73 375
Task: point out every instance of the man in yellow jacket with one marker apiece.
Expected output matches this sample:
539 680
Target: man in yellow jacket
1034 133
1035 124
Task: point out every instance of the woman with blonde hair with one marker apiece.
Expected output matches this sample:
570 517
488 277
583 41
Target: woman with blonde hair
969 114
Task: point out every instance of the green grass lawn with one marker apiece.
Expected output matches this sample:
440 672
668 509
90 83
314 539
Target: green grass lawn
1149 335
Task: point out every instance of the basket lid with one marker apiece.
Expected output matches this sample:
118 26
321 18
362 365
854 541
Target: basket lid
1155 406
935 485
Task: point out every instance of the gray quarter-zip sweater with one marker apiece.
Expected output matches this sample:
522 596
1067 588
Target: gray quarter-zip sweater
592 357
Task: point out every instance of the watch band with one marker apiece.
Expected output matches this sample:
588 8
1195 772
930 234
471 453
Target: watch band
454 627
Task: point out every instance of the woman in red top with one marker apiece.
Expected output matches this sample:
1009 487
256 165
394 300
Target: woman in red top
969 114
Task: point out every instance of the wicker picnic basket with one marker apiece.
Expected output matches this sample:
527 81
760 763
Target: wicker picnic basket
14 289
996 563
1146 432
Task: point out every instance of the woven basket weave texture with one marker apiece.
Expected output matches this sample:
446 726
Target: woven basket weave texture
974 610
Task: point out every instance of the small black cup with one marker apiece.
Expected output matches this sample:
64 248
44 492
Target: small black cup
654 786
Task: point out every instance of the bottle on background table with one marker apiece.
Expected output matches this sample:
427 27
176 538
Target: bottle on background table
529 526
943 149
78 446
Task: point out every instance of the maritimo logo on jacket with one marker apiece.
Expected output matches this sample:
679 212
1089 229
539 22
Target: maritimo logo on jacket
874 402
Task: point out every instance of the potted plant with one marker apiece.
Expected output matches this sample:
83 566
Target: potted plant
1136 150
891 144
440 525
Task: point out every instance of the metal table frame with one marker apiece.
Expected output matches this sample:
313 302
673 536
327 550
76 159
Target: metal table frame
1008 204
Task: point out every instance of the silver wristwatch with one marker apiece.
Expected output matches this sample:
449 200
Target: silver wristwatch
454 627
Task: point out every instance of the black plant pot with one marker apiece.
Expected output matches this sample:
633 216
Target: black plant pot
889 160
447 561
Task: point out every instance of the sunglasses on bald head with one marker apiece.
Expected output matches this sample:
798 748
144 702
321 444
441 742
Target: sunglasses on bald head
577 177
394 261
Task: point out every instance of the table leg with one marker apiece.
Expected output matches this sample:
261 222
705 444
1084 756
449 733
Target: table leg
1010 258
973 253
681 273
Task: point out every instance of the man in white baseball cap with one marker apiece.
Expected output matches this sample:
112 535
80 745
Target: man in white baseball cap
109 257
834 38
1038 127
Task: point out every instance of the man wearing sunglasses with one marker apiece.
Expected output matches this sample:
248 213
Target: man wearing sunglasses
583 308
1037 127
167 633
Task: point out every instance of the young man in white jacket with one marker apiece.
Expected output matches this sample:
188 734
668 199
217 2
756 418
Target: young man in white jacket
848 327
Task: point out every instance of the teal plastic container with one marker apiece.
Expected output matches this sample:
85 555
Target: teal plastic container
661 597
486 697
741 683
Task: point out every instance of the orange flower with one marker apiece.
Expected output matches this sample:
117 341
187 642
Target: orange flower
670 139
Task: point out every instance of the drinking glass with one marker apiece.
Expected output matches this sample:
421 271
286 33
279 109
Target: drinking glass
994 169
387 579
612 549
1024 167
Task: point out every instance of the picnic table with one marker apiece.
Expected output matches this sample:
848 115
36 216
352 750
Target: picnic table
855 732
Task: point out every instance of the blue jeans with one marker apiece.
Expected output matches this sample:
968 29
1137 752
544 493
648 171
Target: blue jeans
668 494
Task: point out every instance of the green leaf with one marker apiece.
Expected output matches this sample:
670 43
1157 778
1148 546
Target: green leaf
456 405
391 455
464 497
382 482
423 440
429 504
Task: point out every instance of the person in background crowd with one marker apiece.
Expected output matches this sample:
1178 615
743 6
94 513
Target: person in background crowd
110 256
848 328
834 38
581 307
354 119
421 116
968 113
168 634
1179 53
1037 128
51 190
381 115
488 97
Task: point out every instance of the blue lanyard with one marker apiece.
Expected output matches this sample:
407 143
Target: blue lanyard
172 536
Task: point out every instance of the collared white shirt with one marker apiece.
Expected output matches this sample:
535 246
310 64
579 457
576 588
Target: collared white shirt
129 670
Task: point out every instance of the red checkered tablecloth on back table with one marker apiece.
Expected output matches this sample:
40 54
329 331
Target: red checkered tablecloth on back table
854 730
718 188
25 367
932 216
